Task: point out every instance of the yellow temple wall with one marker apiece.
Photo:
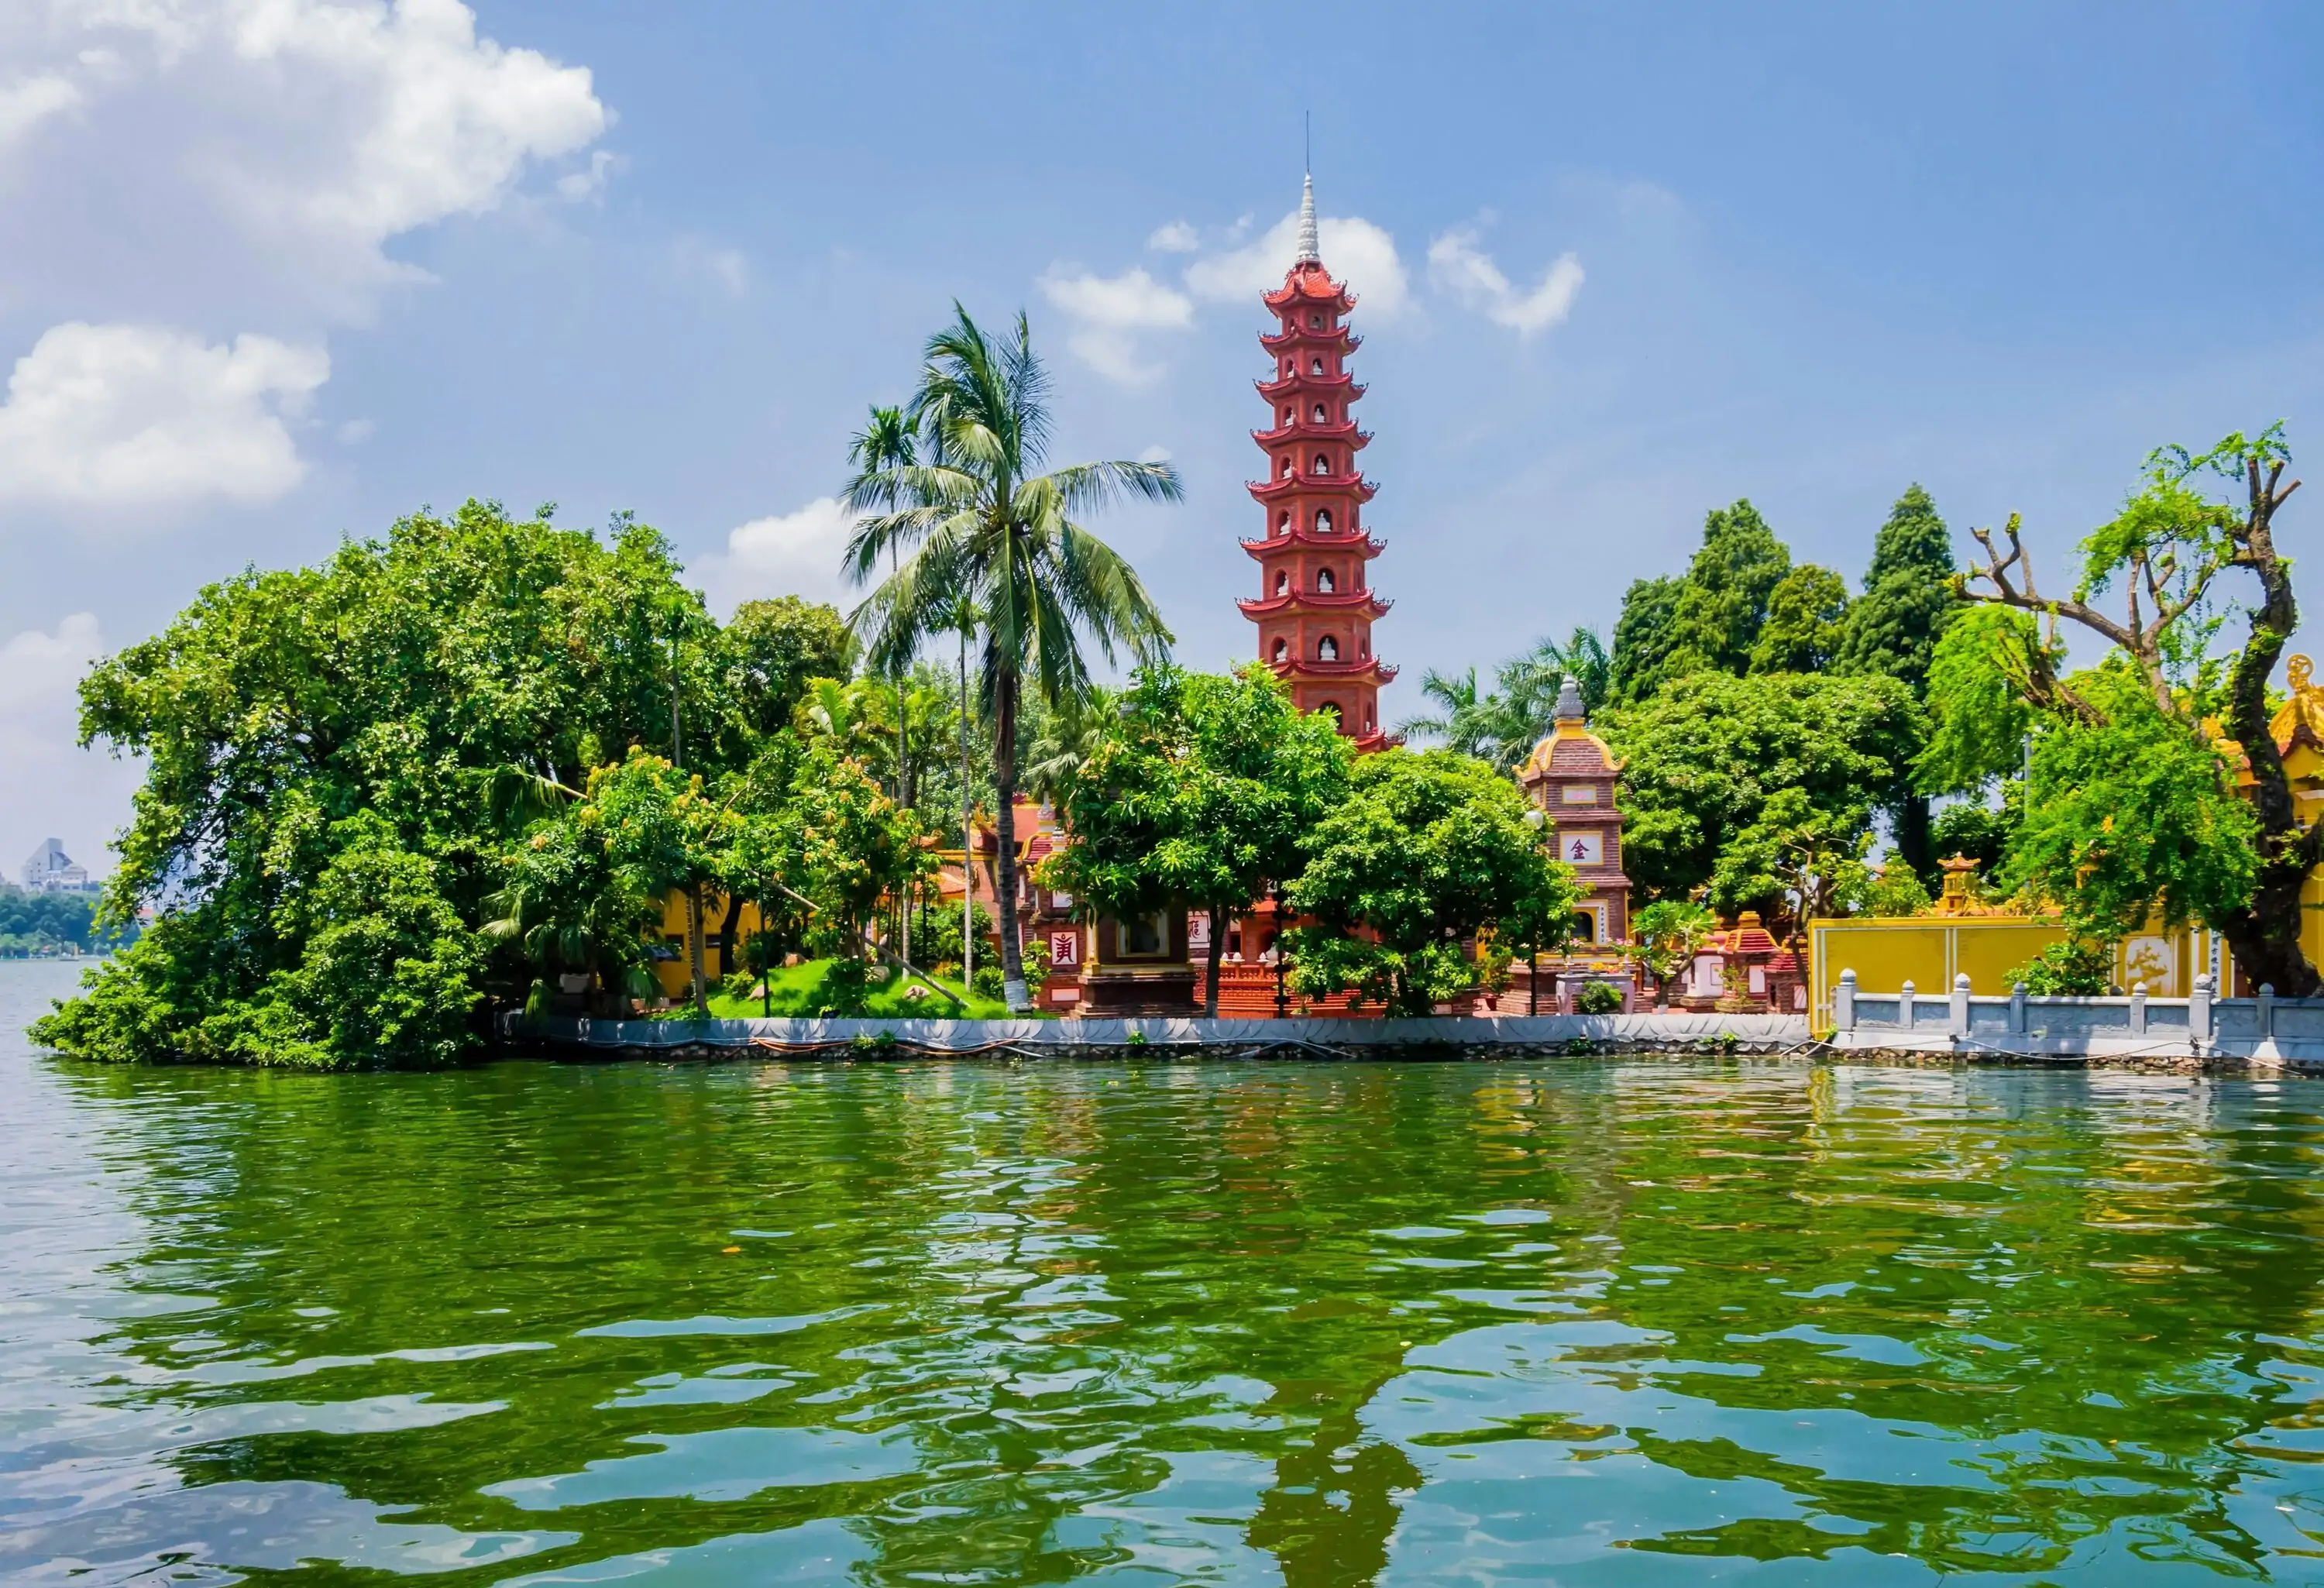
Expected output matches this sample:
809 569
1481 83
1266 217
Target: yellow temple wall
676 976
1929 951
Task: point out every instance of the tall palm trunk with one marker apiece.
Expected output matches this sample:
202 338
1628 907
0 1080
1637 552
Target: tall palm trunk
967 842
694 944
1004 868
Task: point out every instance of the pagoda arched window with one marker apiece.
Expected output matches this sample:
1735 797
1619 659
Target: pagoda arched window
1323 520
1287 417
1282 648
1283 522
1330 708
1282 582
1314 366
1324 583
1287 468
1322 465
1321 416
1315 322
1327 649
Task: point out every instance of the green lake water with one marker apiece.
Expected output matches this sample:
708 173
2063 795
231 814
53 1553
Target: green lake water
1574 1323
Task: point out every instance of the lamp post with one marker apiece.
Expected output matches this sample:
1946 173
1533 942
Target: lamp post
1275 898
1538 820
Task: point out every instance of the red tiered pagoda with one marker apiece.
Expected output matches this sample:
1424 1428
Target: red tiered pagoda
1315 608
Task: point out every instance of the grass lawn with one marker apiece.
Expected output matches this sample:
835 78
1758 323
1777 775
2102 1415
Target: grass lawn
799 990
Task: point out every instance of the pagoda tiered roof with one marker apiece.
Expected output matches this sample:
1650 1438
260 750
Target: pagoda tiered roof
1309 283
1367 545
1316 601
1308 429
1274 391
1307 484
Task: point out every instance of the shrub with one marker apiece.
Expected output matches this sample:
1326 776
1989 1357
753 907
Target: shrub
1598 998
987 983
2067 970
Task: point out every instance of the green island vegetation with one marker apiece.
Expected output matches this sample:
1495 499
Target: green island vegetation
470 764
35 925
1768 720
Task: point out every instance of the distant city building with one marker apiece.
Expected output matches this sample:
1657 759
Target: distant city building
52 871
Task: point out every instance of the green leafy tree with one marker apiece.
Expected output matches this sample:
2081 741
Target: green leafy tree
1895 889
1805 614
415 677
1644 638
1710 619
1429 849
985 527
1809 855
855 845
1728 585
1706 754
1664 936
1908 601
1980 832
1199 795
662 834
1894 627
2164 829
766 656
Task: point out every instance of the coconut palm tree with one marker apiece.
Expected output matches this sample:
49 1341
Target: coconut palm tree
978 519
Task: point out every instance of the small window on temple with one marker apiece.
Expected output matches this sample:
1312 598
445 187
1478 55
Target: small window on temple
1314 366
1323 522
1323 580
1287 416
1282 648
1322 465
1321 416
1282 582
1330 708
1283 522
1585 925
1287 468
1327 649
1363 650
1315 322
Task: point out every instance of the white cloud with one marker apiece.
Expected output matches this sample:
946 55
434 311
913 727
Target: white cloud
783 554
1355 250
317 129
588 184
26 105
1157 453
1177 237
119 415
1109 312
54 789
1458 266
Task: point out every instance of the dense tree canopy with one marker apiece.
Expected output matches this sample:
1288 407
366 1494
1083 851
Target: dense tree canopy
1707 754
1200 794
1428 850
1908 601
2134 805
355 769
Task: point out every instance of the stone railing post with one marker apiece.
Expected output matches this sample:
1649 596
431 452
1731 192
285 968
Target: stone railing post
2266 1002
1959 1010
2199 1009
1843 1003
2138 1010
2018 1009
1904 1007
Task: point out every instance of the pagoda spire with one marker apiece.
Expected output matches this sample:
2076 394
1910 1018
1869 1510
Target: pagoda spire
1315 607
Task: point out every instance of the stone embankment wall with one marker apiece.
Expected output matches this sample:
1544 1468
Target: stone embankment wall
2265 1030
1454 1037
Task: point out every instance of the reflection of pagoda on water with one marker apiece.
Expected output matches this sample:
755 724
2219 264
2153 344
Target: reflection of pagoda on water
1314 609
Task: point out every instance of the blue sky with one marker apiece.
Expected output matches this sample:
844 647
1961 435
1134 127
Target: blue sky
272 271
